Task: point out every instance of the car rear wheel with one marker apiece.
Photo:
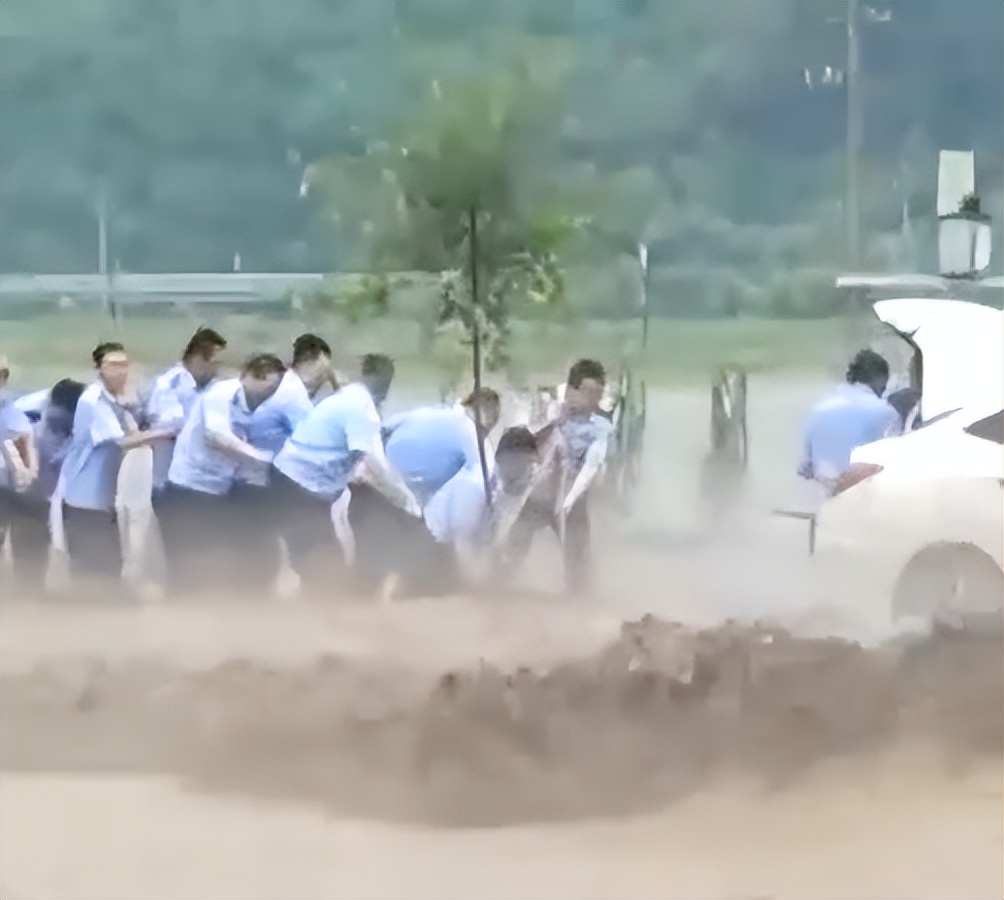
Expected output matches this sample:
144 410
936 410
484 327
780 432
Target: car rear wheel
955 586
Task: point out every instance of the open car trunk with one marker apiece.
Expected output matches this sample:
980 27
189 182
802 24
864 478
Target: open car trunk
958 351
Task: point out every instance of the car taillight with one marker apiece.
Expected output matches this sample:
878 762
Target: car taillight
854 474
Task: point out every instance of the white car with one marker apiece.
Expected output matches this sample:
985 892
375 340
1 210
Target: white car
916 528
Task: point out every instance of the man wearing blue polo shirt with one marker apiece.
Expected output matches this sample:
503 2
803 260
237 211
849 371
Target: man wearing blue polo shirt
573 446
340 436
83 504
429 445
18 457
267 427
174 394
853 415
462 524
29 508
202 538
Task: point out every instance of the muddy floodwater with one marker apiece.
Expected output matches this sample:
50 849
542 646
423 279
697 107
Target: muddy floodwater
699 729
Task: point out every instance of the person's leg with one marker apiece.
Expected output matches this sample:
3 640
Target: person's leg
196 552
29 535
377 534
306 526
578 549
255 539
93 544
531 519
423 564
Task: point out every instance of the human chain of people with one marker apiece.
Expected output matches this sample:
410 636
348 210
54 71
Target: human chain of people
285 480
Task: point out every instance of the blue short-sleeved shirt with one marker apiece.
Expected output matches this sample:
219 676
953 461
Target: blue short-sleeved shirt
429 445
585 440
91 466
52 438
850 417
457 512
269 425
169 405
325 447
197 464
13 424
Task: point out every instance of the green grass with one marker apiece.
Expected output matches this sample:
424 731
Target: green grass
52 345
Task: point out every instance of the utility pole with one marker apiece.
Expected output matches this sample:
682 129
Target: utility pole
851 208
643 263
472 239
852 212
103 269
856 16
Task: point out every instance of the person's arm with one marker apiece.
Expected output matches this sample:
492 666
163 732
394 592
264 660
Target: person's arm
21 451
142 438
363 436
164 411
596 456
384 478
220 434
392 423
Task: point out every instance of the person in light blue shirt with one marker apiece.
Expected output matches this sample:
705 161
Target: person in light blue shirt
312 364
429 445
340 436
18 459
83 504
575 445
174 394
269 425
460 519
29 509
205 540
854 415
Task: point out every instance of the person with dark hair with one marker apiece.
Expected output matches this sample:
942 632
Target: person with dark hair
312 363
18 457
29 519
268 428
82 515
218 446
854 415
174 394
574 447
431 444
377 371
340 436
462 523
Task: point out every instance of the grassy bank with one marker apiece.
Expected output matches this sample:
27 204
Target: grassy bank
679 351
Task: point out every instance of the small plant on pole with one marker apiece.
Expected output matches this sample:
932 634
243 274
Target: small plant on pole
473 197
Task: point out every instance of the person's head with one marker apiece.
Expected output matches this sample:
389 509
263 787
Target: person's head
870 369
311 361
112 363
584 386
62 405
260 377
485 406
202 355
516 457
377 375
4 371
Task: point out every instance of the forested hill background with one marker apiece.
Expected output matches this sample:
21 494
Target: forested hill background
198 118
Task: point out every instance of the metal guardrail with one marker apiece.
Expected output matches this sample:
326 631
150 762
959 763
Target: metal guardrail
133 287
